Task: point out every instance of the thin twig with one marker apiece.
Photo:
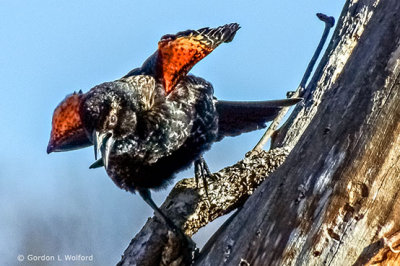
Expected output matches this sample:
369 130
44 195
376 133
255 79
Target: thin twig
329 23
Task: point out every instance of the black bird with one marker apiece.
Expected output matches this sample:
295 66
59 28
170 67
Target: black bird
157 120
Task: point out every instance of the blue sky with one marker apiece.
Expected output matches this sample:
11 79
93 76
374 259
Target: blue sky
53 204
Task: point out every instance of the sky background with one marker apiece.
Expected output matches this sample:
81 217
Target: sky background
53 204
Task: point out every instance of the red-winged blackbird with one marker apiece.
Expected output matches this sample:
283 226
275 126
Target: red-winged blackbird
157 120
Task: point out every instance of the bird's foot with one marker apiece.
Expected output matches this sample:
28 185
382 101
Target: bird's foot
201 171
146 195
178 251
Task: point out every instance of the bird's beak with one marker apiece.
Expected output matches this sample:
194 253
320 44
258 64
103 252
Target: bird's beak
98 163
98 139
103 143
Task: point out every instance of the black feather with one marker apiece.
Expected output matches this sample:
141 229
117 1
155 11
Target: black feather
235 118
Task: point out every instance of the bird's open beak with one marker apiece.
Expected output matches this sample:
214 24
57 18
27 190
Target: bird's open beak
103 143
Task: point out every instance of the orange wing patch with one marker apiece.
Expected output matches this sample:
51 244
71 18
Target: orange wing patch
178 56
178 53
67 129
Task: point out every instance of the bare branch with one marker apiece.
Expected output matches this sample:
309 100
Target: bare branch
191 209
329 22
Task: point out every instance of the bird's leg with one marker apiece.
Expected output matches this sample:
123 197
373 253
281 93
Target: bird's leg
205 167
146 195
202 171
197 172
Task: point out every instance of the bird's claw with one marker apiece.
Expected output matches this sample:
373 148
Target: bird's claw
202 172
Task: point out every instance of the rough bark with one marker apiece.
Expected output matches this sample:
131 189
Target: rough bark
190 208
333 201
335 196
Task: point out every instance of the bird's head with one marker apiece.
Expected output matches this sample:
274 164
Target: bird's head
108 114
105 115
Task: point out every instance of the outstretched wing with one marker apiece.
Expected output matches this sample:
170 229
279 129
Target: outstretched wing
178 53
236 118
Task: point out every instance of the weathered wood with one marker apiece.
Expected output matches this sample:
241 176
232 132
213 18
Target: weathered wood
333 201
190 208
335 197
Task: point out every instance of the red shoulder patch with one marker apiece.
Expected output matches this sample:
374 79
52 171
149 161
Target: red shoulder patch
178 53
178 57
67 129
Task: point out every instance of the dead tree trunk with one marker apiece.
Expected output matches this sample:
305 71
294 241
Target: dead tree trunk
333 201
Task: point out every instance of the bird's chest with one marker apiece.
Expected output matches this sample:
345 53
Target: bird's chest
167 139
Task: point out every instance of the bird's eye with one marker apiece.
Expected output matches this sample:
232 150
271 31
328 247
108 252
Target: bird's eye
113 120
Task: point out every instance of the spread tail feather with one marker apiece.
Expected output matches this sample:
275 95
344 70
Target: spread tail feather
236 118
